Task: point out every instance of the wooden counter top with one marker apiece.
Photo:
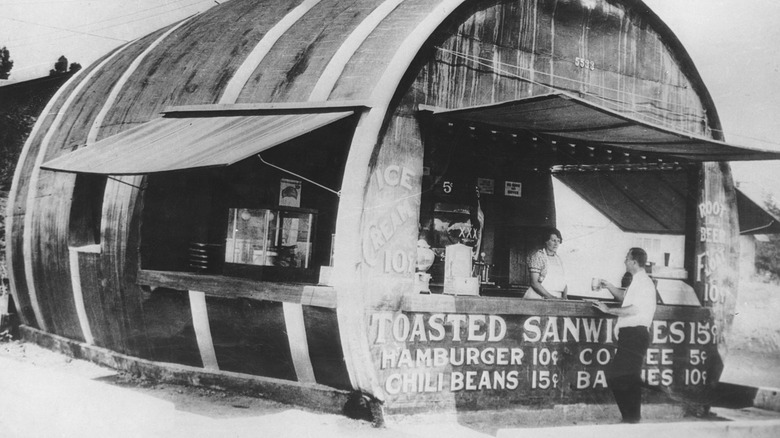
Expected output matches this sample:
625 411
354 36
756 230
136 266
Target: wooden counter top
325 296
439 303
233 287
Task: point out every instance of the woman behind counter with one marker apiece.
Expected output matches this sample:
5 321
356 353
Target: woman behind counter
547 276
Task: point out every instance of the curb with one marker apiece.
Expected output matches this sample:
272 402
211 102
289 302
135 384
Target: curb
720 429
767 398
735 396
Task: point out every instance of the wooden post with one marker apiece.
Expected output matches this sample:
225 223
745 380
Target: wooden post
715 263
4 316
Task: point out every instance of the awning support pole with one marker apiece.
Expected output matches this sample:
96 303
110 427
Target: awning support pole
127 183
758 228
338 193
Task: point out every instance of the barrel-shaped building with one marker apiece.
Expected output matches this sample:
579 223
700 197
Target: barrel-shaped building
251 191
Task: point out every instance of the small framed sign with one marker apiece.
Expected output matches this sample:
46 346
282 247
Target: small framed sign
486 185
513 188
290 193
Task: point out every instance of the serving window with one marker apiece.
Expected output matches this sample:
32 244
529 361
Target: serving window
86 210
268 218
495 192
621 163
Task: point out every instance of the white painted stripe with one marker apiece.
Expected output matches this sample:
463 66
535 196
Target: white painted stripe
299 344
78 296
348 257
335 67
33 188
361 374
410 47
75 273
93 249
131 69
200 320
9 217
244 72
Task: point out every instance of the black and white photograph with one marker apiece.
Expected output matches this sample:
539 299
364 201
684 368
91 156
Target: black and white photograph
389 218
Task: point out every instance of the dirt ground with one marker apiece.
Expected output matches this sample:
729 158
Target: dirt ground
754 342
53 395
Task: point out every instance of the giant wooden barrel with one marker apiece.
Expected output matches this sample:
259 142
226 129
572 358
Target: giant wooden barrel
142 221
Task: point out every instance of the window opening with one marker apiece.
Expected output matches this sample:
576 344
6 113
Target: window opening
512 174
86 210
257 220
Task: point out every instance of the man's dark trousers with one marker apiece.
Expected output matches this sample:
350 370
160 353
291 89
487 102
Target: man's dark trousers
625 373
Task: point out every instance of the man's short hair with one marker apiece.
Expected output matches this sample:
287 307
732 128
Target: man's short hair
639 256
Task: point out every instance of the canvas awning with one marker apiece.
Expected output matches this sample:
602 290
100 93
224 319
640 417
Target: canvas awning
575 119
754 219
198 138
654 202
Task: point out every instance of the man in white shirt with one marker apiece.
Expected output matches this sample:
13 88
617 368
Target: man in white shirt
633 337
